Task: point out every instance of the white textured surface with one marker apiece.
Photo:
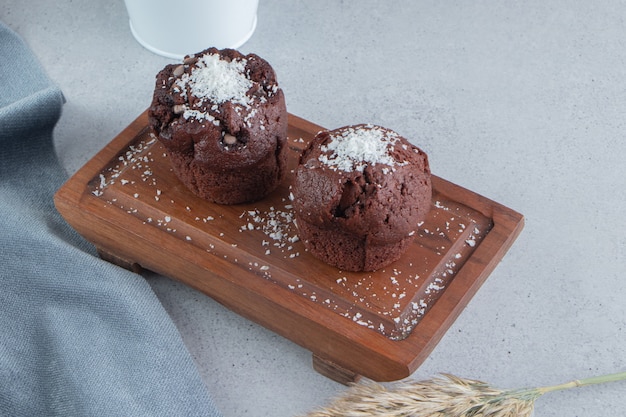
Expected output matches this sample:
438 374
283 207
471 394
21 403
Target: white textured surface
524 103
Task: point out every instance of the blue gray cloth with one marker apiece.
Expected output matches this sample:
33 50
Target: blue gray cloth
78 336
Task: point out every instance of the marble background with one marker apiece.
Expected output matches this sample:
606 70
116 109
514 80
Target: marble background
521 102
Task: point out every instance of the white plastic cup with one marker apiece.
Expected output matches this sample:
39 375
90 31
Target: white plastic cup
177 28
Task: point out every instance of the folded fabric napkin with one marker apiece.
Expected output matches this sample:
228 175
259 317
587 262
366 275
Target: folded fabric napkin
79 336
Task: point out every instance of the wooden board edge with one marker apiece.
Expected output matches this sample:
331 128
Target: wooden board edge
395 359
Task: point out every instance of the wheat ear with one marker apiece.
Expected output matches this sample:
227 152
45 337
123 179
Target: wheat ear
445 396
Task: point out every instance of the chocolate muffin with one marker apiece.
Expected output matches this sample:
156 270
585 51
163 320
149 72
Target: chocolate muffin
359 193
222 118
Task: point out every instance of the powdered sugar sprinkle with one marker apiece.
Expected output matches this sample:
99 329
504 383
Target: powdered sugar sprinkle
353 148
218 80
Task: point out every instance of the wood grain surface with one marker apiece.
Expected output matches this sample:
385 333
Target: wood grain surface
382 325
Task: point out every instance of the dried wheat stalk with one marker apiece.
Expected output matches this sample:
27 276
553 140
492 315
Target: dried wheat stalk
446 396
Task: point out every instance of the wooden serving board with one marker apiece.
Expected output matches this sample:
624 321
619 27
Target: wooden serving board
382 325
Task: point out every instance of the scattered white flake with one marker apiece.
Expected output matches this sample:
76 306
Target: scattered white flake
352 148
168 219
200 115
218 80
276 224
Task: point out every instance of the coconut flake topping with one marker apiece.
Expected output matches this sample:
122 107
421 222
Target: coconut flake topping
354 148
218 80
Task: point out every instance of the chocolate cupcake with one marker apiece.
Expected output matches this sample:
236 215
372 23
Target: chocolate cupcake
359 193
222 118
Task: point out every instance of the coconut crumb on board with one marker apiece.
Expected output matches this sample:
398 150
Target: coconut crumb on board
277 224
275 233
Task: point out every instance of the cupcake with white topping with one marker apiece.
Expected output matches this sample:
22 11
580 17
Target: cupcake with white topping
222 118
360 192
